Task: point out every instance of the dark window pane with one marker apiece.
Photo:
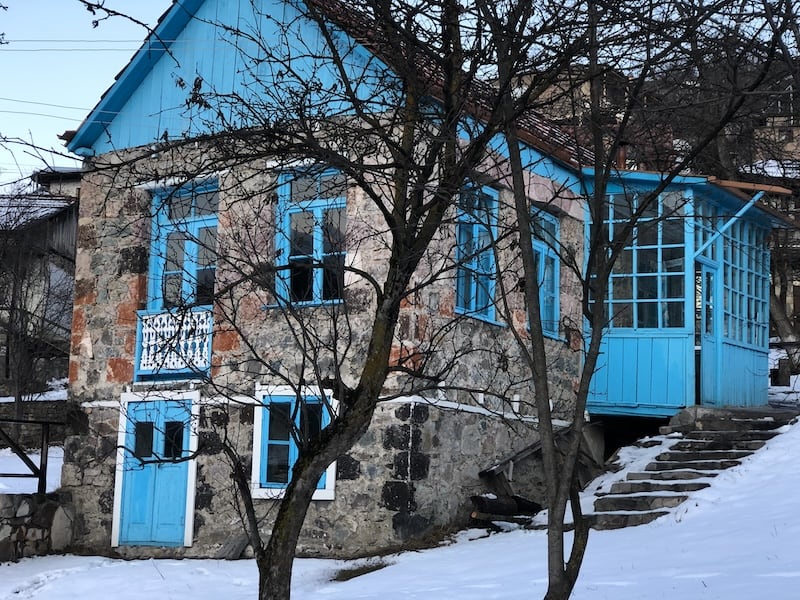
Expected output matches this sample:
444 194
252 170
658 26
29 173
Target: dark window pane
622 314
648 261
143 439
673 259
277 463
333 229
672 232
310 420
172 290
179 207
301 280
206 203
207 246
176 244
280 415
673 314
647 314
303 188
333 277
301 234
647 234
173 439
647 287
332 185
673 287
205 286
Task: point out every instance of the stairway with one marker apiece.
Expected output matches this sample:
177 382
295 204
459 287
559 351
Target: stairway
706 441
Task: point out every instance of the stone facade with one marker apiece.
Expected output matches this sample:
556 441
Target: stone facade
412 472
34 524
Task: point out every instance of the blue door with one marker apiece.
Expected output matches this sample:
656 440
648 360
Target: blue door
155 473
708 325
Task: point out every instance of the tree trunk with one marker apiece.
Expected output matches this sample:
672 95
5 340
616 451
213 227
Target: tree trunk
786 332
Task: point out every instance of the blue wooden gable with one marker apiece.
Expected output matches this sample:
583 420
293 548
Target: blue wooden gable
219 47
214 46
688 305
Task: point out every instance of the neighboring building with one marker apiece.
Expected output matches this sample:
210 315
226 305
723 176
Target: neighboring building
172 356
37 252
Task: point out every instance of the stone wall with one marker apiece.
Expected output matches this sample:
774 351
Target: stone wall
410 476
34 524
30 436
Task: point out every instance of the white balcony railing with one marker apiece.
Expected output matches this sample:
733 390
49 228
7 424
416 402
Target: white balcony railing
174 343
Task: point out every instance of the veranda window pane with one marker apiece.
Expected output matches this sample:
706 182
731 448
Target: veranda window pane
648 261
647 314
176 244
672 259
172 289
622 314
673 314
648 234
672 232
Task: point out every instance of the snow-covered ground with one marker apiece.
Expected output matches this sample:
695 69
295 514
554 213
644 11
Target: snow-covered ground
737 540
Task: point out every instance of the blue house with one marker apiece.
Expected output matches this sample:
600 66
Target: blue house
195 269
688 305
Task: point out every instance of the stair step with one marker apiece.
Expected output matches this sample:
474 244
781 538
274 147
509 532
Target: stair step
702 455
729 434
702 465
638 503
634 487
610 520
676 475
695 445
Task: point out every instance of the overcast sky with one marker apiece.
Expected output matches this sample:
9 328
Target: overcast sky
54 68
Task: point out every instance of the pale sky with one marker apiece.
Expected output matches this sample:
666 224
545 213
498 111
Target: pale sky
54 68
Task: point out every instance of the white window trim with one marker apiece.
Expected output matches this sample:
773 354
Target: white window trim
191 479
258 492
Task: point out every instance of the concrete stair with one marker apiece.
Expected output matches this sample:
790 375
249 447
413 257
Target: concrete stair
707 441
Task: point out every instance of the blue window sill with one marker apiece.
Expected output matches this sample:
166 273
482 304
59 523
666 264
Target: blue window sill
479 317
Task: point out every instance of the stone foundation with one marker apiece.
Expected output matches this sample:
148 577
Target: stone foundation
33 525
408 478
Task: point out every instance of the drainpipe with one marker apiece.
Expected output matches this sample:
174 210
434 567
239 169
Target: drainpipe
728 224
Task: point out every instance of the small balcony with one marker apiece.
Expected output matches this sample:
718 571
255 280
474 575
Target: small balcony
173 344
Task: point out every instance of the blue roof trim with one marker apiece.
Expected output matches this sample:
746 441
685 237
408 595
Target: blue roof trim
154 47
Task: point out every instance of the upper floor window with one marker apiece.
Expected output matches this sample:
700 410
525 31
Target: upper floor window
545 252
475 234
311 236
285 424
184 247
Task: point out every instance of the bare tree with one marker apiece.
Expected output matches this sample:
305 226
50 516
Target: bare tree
399 117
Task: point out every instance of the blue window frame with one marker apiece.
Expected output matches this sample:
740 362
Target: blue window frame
475 235
545 251
647 285
311 236
184 247
284 425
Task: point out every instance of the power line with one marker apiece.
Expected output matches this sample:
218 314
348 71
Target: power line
36 114
42 104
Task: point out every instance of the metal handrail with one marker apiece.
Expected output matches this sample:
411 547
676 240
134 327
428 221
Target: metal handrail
40 471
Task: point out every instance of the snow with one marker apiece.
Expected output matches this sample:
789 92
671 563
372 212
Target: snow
734 540
57 390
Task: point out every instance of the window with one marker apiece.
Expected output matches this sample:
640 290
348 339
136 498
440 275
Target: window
311 237
475 233
183 257
646 289
545 252
283 425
